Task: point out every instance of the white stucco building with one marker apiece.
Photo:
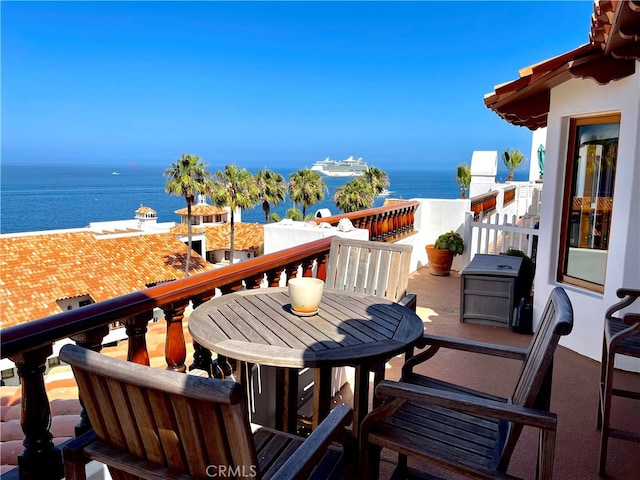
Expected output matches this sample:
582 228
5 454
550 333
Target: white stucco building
588 100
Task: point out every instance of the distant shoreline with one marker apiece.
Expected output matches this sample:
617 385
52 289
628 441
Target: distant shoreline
64 196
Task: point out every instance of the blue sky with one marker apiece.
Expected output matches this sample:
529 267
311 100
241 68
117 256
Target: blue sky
281 85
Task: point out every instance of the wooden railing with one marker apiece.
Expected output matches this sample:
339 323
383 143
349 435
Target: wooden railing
509 195
388 223
484 204
28 345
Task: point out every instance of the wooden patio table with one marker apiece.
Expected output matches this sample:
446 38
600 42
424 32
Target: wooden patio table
350 329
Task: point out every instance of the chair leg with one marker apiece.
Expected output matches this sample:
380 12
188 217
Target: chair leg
401 470
370 462
603 376
605 393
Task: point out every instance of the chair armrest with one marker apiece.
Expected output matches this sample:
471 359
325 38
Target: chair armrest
623 292
304 458
628 295
410 300
631 318
74 457
435 343
468 404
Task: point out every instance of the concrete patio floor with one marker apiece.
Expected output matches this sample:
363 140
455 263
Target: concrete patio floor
574 395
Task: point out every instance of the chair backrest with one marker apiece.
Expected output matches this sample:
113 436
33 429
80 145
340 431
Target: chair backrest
376 268
171 420
533 388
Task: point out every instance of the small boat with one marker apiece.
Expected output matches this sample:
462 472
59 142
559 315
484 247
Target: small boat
115 173
385 193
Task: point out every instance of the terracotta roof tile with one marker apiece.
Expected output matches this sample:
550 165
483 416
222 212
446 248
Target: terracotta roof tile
247 235
611 54
202 209
37 270
145 210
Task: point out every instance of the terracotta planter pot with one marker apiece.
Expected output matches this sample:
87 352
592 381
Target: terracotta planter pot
439 261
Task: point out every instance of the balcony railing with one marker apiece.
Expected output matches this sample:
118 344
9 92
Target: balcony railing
385 224
484 204
28 345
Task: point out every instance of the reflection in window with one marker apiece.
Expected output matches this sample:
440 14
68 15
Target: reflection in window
589 199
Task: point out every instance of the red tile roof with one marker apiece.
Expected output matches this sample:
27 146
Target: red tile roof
144 210
38 270
202 209
247 235
611 54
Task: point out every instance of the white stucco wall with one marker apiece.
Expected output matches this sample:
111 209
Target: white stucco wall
433 218
583 97
287 234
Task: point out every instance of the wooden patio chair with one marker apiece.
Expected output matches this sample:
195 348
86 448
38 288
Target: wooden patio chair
621 337
155 424
376 268
362 266
463 430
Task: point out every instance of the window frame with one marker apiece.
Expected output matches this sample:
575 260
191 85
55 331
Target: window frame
570 166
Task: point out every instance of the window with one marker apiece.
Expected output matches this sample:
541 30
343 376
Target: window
589 187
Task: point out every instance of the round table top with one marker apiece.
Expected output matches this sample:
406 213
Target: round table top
258 326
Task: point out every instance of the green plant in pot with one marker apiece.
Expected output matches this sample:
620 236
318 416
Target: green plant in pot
441 253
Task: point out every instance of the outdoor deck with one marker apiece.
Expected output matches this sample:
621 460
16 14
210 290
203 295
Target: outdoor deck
574 395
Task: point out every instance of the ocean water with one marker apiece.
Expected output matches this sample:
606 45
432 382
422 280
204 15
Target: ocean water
48 197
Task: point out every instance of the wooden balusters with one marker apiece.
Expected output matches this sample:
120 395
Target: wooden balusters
291 270
253 281
40 460
136 328
175 350
273 276
321 265
307 267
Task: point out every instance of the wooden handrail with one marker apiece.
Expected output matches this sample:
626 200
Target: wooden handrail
387 223
484 203
509 195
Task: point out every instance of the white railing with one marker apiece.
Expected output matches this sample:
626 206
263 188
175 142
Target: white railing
497 233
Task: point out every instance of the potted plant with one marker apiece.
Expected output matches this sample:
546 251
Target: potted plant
441 253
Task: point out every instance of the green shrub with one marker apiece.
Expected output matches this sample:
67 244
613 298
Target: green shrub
451 241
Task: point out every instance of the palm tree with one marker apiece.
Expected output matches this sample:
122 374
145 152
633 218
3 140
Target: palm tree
272 190
378 180
306 187
463 178
512 160
234 188
358 194
187 178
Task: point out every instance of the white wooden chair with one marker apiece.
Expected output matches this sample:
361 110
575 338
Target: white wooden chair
376 268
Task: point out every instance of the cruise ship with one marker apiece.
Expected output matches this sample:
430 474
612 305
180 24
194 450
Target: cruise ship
340 168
